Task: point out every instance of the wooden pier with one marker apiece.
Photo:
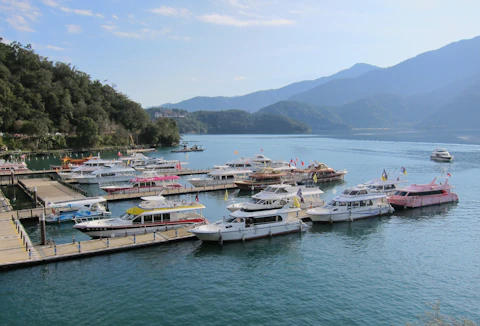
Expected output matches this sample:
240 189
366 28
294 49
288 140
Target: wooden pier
17 250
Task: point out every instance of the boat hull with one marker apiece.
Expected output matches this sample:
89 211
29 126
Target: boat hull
325 216
207 183
421 201
247 185
249 233
86 180
442 159
129 230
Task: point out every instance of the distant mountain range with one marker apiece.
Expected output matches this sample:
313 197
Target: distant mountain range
257 100
439 88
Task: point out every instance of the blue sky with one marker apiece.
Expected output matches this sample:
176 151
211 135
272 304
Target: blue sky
167 51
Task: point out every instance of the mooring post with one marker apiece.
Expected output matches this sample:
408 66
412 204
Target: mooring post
43 230
35 197
73 238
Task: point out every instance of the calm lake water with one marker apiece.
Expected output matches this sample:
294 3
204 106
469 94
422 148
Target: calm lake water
380 271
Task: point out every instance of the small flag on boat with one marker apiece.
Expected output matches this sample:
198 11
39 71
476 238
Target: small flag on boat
303 163
384 175
449 175
315 179
235 152
261 149
404 171
119 153
196 198
296 203
300 195
226 195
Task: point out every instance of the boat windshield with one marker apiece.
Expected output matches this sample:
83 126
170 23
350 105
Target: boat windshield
127 217
400 193
232 219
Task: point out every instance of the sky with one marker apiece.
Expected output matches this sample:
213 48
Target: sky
160 51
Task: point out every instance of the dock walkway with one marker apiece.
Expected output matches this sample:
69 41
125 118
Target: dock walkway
16 249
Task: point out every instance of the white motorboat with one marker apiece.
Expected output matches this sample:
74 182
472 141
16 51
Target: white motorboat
160 164
145 182
68 210
386 186
135 159
276 196
241 225
111 174
258 162
153 214
441 155
220 176
353 204
93 164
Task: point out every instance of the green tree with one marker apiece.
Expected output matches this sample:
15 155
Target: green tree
87 131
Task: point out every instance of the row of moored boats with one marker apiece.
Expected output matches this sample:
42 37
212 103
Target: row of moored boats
273 211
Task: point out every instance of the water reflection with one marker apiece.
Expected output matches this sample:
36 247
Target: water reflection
264 247
427 211
355 229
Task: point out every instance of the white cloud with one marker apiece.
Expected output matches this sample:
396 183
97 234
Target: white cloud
236 4
19 23
114 16
239 78
142 34
180 38
56 48
74 29
81 12
231 21
108 27
50 3
171 11
20 14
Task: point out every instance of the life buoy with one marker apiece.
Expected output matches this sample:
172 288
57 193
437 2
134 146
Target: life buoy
184 202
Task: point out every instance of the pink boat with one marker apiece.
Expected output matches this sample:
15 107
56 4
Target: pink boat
142 184
12 167
423 195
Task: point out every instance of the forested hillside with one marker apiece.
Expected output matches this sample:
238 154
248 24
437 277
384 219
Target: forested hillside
231 122
50 105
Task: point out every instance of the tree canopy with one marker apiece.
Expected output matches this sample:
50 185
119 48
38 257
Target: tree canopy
41 98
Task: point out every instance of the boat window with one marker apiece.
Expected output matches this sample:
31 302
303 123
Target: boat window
426 193
229 219
147 219
353 192
400 193
137 220
362 192
166 217
369 203
363 203
157 217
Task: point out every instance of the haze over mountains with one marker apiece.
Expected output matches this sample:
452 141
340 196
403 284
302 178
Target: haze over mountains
434 89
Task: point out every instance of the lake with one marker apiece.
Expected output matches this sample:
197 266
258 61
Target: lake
379 271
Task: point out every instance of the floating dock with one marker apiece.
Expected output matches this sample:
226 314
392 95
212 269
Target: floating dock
17 250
